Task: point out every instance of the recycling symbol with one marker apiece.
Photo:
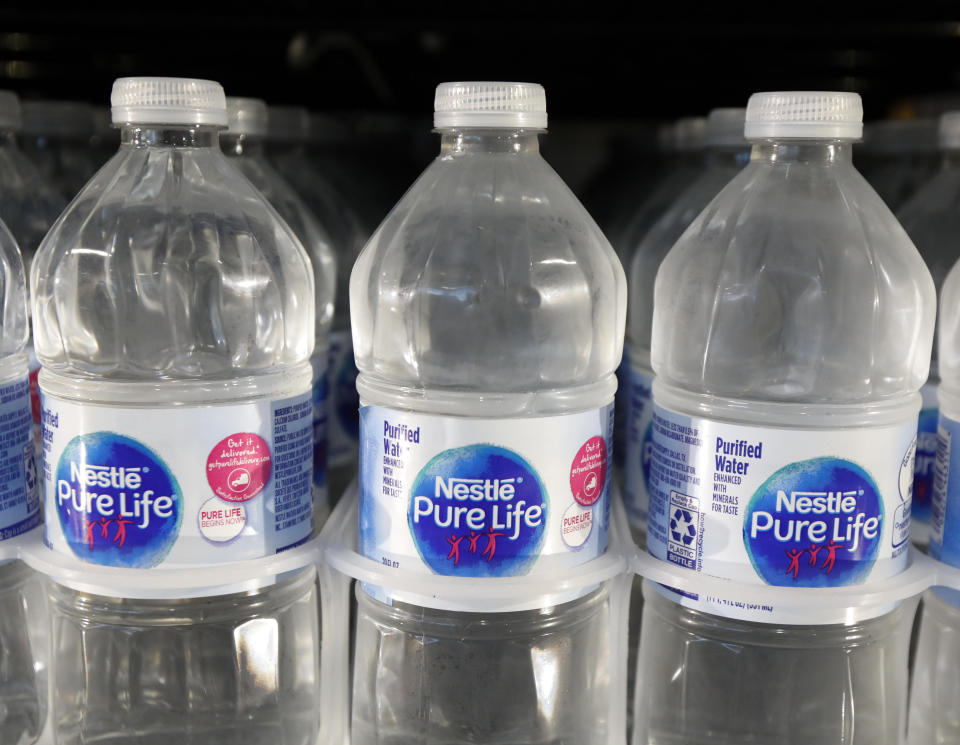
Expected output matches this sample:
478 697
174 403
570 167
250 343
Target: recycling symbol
682 528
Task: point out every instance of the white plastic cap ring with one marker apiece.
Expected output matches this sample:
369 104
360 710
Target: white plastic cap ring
246 116
814 115
490 104
154 100
948 130
725 128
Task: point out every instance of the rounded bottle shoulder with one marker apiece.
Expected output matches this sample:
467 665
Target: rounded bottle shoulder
488 275
795 284
170 264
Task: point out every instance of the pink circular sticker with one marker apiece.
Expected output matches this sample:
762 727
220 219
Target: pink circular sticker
239 467
588 473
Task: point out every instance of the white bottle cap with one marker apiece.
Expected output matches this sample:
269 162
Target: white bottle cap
814 115
288 124
10 117
489 104
725 128
57 118
149 100
948 131
246 116
690 134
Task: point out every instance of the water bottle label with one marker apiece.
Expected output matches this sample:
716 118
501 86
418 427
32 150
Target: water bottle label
343 403
791 507
20 485
180 486
945 505
621 408
484 497
321 390
926 456
639 446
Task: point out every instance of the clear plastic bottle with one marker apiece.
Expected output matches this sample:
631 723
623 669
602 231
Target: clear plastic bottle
685 144
791 335
727 154
488 312
174 318
23 615
243 145
897 157
933 694
56 137
932 220
289 129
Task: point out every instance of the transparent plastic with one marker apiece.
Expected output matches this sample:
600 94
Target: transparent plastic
487 292
897 157
29 204
708 680
57 139
170 280
794 300
934 705
231 670
288 153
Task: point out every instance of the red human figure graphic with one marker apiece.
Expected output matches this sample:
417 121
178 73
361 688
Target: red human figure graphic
90 526
121 535
474 537
794 555
454 542
831 559
104 528
491 545
814 550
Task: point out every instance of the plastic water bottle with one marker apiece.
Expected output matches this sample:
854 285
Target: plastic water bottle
934 709
488 311
23 615
56 137
727 153
932 221
174 318
897 157
791 335
243 144
685 143
289 128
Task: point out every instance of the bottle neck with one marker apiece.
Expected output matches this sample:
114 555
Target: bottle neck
460 142
246 145
170 135
806 152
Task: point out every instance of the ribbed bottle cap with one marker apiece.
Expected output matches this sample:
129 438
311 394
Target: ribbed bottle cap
150 100
818 115
690 134
900 136
725 128
287 123
10 117
948 131
57 118
246 116
490 104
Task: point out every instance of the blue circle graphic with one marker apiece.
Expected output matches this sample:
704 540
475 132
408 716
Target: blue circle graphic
815 523
478 511
117 502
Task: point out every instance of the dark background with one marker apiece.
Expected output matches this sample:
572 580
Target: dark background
609 69
595 59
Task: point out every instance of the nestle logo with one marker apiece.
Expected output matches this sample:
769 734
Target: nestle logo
476 490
